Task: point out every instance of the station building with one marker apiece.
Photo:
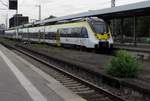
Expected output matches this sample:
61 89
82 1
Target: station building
17 20
130 30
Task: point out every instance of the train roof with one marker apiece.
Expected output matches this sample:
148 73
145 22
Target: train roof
60 22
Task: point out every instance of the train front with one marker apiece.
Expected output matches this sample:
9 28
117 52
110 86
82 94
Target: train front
102 33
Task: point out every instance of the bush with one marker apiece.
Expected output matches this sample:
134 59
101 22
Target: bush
124 65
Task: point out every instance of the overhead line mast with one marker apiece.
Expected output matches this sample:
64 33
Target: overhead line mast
113 3
39 6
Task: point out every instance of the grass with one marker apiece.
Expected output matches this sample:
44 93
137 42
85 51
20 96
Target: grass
48 48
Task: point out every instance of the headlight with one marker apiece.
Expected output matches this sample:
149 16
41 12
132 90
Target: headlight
108 36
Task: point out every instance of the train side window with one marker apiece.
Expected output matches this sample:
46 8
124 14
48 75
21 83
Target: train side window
73 32
84 33
64 32
69 31
76 32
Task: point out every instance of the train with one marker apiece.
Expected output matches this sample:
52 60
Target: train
91 32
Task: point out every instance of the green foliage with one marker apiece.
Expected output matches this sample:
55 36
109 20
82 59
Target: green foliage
124 65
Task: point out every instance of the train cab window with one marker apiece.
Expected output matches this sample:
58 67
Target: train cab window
100 27
84 33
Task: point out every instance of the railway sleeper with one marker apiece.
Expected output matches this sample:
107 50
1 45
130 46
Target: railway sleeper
65 80
71 85
58 75
81 89
71 82
76 87
61 77
92 94
82 92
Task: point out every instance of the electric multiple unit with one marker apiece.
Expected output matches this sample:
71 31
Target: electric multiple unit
86 32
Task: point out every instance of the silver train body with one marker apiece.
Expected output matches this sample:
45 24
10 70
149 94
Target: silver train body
89 33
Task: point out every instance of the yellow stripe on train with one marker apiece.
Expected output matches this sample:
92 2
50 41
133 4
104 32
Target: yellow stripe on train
103 36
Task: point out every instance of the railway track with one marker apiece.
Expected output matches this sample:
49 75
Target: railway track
85 89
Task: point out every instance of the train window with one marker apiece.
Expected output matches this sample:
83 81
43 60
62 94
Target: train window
71 32
63 31
34 35
100 27
50 35
84 33
76 32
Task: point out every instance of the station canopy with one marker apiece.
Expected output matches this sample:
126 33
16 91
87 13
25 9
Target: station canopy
136 9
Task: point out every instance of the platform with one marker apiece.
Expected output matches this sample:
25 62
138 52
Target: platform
22 81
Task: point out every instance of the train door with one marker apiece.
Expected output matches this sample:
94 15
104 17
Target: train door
84 37
39 36
20 33
28 34
43 34
58 38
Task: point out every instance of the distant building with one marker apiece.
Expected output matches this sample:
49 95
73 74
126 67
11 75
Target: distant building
2 26
17 20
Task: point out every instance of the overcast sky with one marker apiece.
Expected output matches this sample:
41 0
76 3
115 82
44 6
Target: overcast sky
58 7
